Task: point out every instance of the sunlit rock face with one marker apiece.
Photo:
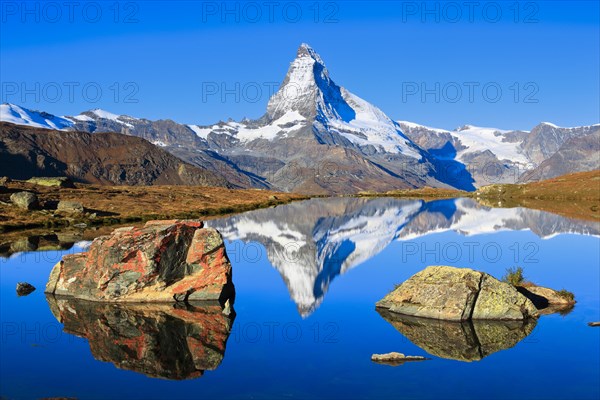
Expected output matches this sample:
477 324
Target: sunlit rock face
163 261
158 340
462 341
310 243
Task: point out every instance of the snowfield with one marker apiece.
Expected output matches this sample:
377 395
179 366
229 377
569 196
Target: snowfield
478 139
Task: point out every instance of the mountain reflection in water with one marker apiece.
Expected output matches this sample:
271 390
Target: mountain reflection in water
158 340
311 242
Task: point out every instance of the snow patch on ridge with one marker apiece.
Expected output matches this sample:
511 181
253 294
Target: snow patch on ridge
414 125
550 124
478 139
200 131
81 117
106 114
288 122
22 116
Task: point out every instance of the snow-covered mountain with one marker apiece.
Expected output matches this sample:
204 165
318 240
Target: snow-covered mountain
309 94
312 242
318 137
314 137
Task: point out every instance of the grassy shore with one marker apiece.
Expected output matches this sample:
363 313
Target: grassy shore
574 195
422 193
109 205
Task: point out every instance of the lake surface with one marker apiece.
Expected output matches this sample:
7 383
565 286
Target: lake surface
307 276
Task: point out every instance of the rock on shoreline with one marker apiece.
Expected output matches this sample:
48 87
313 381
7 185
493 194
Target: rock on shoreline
25 200
457 294
163 261
543 297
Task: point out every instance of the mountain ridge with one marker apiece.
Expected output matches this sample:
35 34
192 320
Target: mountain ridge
318 137
101 158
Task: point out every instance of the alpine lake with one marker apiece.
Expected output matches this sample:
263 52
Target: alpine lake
307 277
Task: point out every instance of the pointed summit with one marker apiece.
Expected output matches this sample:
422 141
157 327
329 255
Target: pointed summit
298 91
307 89
306 51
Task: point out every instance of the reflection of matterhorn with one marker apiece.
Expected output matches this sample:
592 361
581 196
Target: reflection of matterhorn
312 242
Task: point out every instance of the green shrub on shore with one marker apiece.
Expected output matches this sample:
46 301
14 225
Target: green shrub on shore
514 276
565 294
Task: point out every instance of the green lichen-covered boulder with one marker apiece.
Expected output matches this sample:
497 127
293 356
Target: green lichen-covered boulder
500 300
62 182
457 294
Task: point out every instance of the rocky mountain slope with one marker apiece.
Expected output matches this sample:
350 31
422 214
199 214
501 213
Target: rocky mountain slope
577 154
102 158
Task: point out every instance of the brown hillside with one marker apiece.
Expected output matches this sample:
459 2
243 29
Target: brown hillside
98 158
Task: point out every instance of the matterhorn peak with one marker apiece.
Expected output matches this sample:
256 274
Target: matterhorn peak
302 87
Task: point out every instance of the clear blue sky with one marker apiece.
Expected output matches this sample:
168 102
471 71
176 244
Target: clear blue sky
386 52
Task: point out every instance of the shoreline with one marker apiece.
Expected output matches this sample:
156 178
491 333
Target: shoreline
114 205
573 196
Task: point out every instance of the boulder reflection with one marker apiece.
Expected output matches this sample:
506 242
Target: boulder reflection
170 341
462 341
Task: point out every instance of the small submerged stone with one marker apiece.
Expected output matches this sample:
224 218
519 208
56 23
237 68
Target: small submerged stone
24 288
395 358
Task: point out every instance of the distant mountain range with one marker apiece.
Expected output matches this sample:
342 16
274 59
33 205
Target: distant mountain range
492 155
318 137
